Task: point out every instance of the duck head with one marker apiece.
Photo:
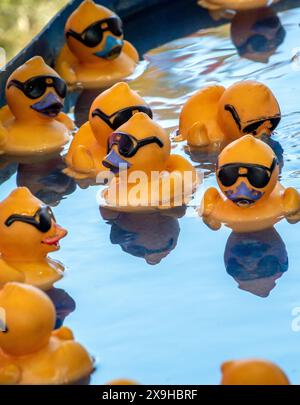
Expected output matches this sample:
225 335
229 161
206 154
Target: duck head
29 319
94 32
248 107
28 228
113 108
252 372
138 145
35 91
247 171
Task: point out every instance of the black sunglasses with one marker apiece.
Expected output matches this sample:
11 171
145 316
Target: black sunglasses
259 43
93 34
257 175
36 86
118 118
42 220
252 126
128 145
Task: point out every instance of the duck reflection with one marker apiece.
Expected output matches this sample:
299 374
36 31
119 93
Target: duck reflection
46 180
151 236
256 260
63 303
7 170
257 33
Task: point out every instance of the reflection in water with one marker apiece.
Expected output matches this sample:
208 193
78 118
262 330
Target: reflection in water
151 236
257 34
256 260
7 170
46 180
64 304
83 104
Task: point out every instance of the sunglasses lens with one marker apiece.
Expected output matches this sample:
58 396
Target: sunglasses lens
93 36
35 88
60 87
228 175
258 177
125 115
125 145
121 118
45 220
115 26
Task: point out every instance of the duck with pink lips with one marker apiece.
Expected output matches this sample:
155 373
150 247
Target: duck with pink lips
28 233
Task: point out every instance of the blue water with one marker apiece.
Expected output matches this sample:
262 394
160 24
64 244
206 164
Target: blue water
176 321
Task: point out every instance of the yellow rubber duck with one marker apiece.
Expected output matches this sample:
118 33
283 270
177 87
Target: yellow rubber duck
31 352
32 122
146 176
95 53
251 198
110 110
122 381
28 232
252 372
224 8
214 115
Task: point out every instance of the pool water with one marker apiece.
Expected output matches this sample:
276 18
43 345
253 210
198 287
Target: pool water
163 299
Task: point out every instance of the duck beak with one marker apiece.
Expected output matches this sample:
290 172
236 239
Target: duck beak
115 163
243 196
60 233
111 49
50 105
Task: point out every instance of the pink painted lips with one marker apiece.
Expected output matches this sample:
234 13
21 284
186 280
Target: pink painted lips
60 233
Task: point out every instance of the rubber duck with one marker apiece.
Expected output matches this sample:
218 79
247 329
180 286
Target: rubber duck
95 53
215 115
32 122
251 197
256 260
122 381
145 175
31 352
226 8
151 236
257 34
252 372
109 110
28 232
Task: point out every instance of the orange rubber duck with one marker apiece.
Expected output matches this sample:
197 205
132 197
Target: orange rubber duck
31 352
146 177
95 53
251 198
32 122
28 232
110 110
252 372
216 115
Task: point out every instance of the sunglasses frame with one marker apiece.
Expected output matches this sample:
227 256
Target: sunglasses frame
139 143
31 220
78 36
107 118
248 166
22 85
251 126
